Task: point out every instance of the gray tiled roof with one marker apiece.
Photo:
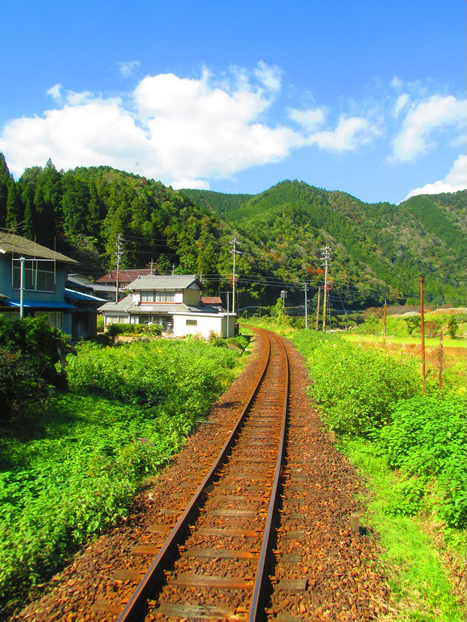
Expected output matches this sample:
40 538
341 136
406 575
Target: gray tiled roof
128 306
121 305
11 243
163 281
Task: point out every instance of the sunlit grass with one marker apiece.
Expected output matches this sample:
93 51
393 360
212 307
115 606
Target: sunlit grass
420 587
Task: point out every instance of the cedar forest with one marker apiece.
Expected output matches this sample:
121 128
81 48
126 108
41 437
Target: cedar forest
378 250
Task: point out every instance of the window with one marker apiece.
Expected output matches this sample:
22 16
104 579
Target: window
165 296
38 275
55 318
147 296
192 322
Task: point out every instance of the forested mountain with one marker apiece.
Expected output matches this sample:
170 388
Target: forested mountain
377 250
372 244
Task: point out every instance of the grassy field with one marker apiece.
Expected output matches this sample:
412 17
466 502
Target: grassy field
454 356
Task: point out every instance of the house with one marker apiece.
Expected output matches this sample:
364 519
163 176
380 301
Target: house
84 317
174 302
81 283
44 276
125 277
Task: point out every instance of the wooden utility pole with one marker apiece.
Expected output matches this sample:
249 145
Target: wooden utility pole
385 315
422 313
317 308
306 305
440 359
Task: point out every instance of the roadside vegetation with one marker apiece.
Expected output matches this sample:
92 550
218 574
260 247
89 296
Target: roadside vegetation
410 449
72 462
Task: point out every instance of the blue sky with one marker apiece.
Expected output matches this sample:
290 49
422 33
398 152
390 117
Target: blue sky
364 96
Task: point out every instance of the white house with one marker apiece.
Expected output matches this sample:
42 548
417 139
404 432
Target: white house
174 302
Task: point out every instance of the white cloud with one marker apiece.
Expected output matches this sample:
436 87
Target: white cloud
397 83
308 119
128 68
269 76
349 134
423 120
56 92
182 131
455 180
402 101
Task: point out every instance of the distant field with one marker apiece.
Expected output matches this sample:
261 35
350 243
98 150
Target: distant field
454 355
430 342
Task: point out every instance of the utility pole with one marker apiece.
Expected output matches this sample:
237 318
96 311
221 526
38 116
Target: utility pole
385 315
235 253
306 305
152 266
118 254
317 308
21 287
440 359
228 320
422 313
326 258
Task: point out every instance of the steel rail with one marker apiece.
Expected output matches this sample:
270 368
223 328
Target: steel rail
260 581
133 609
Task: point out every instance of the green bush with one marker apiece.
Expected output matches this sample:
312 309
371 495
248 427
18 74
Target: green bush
427 437
169 374
134 329
29 351
19 382
357 388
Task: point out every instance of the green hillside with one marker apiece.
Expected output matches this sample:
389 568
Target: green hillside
378 250
373 244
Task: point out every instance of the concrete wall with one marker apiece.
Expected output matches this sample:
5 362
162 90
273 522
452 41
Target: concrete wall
205 325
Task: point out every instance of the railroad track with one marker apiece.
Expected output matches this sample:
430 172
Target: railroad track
214 563
322 567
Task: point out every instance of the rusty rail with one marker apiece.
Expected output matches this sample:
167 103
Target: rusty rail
133 610
258 590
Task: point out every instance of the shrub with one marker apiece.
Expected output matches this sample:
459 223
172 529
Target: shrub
453 327
134 329
30 349
357 388
427 437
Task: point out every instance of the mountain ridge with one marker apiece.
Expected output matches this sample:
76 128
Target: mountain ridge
378 250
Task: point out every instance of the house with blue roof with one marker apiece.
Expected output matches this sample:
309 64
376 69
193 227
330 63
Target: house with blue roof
33 283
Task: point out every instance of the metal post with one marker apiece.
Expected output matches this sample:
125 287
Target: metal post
228 320
306 306
21 288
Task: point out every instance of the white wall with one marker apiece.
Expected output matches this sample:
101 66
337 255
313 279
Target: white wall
205 325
